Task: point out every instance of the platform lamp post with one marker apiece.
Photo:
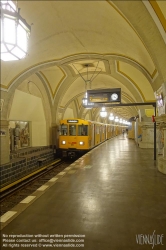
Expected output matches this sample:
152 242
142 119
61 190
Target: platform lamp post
111 117
116 119
103 112
85 103
15 32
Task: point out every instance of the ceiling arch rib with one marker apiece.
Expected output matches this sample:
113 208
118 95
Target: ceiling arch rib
157 10
137 79
83 62
149 32
102 81
104 58
120 112
134 63
47 66
130 111
150 60
39 73
70 110
54 76
76 36
115 37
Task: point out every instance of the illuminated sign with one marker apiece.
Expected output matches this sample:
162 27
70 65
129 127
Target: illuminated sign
72 121
98 98
104 95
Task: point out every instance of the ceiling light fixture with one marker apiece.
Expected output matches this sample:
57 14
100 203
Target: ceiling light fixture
86 104
116 119
111 117
103 112
88 80
15 32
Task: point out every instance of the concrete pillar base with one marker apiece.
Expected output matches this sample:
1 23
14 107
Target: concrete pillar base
146 144
161 165
147 135
161 120
4 142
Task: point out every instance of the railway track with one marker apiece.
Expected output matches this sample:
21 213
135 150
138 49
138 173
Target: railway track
11 197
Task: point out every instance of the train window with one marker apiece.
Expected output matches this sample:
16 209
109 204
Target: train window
63 129
82 130
72 129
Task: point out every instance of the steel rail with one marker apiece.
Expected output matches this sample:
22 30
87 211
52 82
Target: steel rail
34 175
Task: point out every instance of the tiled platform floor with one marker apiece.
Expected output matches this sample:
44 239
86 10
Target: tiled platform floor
112 195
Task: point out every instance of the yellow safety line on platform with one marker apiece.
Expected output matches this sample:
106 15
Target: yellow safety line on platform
25 177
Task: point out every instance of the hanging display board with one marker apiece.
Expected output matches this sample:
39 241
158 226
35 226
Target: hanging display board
104 95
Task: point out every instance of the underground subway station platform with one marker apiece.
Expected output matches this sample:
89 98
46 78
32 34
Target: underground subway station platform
83 125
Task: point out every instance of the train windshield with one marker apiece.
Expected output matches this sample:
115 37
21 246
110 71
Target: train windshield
82 130
72 129
63 129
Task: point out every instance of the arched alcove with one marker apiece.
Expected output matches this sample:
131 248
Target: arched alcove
28 107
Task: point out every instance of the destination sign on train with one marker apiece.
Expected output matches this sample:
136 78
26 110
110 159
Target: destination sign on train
72 121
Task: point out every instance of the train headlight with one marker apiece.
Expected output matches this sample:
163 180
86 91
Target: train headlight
81 143
63 142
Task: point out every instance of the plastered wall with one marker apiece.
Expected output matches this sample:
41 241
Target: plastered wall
26 107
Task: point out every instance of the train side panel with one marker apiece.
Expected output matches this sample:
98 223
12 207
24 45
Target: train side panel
78 135
103 132
92 135
97 134
108 131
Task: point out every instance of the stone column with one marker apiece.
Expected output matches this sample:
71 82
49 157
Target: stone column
164 149
161 161
147 135
136 131
55 135
4 142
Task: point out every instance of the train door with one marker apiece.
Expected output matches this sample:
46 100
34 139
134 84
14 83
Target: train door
100 132
108 131
97 134
113 131
92 134
116 130
103 132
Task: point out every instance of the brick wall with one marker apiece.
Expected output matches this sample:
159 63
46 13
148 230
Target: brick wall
24 163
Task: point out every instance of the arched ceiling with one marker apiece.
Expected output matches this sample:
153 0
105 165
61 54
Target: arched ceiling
121 41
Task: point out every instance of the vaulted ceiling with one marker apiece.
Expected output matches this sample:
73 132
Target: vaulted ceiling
123 41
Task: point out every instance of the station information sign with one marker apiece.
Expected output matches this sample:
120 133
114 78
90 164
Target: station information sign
104 95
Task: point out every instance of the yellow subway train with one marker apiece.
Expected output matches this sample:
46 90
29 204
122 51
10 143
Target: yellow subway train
78 136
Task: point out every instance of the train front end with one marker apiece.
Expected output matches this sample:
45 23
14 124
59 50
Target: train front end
74 139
